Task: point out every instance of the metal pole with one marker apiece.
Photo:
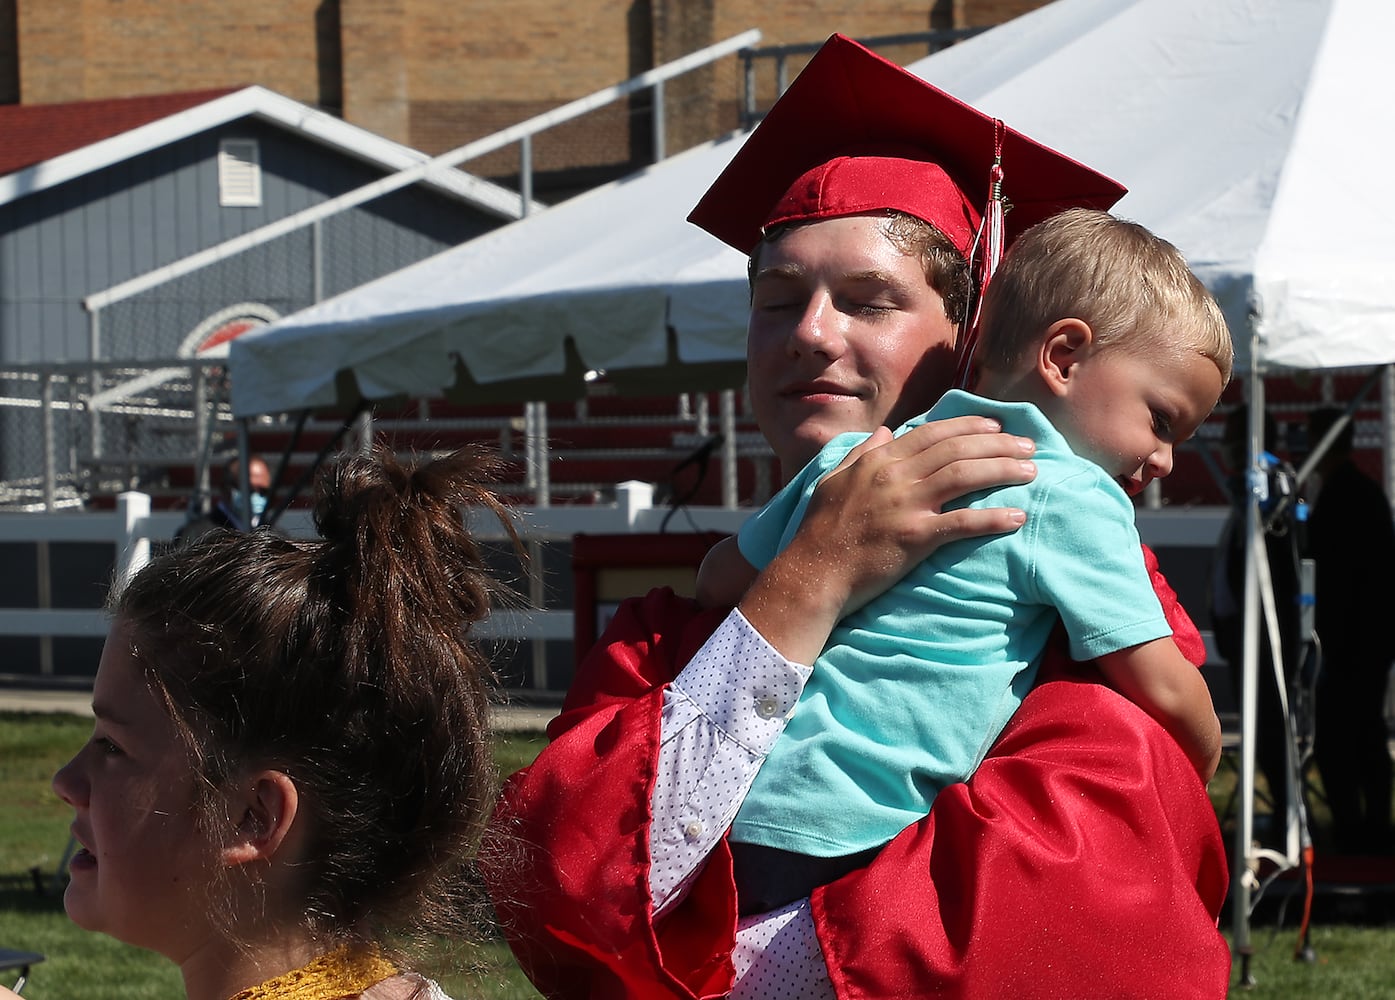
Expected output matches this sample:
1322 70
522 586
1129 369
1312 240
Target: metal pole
43 554
94 418
200 387
244 455
748 103
50 486
525 174
535 448
317 260
1244 877
1387 425
659 148
535 452
363 430
728 417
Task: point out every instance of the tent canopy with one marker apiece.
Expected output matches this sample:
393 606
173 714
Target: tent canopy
614 280
1249 133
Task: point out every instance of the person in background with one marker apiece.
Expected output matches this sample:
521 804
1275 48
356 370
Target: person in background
1349 532
290 765
1083 856
1100 344
228 511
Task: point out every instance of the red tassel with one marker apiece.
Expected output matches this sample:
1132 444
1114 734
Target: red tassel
984 256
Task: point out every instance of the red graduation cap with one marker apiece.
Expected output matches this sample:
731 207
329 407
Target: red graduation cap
856 134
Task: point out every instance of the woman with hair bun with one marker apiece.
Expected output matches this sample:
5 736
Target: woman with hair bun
290 766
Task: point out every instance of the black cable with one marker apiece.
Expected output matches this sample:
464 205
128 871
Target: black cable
309 473
699 456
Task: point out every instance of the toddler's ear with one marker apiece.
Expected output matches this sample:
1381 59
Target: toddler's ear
1064 345
263 810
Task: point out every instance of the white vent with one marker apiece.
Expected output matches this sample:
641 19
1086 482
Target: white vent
239 172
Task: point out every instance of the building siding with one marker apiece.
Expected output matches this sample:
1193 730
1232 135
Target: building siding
62 244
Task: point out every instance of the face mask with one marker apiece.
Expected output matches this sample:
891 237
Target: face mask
258 503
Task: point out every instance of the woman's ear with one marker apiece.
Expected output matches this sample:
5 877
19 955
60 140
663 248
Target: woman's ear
1065 344
263 811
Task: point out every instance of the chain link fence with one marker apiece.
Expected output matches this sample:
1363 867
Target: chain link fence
74 433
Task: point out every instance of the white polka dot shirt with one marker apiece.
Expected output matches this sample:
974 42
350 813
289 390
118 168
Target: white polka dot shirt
722 714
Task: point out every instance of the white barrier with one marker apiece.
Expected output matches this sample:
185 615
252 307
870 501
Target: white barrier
132 527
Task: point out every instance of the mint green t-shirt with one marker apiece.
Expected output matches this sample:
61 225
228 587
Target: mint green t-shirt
912 689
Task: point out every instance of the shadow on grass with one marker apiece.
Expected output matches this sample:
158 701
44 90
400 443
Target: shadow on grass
19 895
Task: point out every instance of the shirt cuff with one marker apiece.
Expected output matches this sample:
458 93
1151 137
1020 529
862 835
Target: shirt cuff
742 685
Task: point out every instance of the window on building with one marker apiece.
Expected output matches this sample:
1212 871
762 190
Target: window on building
239 172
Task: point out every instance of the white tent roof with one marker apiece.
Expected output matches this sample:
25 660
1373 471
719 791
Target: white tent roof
1250 133
606 272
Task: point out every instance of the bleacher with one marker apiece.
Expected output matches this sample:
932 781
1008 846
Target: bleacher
595 443
590 446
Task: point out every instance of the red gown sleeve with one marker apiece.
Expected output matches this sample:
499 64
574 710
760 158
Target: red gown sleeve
566 859
1082 858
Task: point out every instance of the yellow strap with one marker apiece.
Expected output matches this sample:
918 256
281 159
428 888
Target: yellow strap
344 972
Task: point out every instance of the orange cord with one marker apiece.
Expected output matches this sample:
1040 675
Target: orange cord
1307 901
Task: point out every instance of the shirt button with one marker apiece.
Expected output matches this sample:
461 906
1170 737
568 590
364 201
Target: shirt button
767 707
692 829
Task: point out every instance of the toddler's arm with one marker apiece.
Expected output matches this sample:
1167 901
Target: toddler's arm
1160 680
724 575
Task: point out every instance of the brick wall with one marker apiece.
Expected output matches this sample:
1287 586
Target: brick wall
80 49
372 38
480 66
437 75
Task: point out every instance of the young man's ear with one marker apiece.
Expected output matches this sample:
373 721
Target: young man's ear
263 811
1065 344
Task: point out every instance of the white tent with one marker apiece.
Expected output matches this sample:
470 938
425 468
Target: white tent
596 283
1250 133
1254 134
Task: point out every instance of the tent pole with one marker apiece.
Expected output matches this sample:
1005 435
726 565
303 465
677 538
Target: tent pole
728 421
1387 427
244 473
535 448
1244 874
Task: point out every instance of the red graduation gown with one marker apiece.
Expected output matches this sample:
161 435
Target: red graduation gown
1082 858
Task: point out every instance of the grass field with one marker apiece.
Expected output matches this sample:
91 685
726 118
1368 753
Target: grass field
1355 956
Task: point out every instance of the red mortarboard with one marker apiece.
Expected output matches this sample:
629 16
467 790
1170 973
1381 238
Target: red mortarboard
855 133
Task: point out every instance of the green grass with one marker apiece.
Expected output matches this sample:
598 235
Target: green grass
1352 963
35 824
1354 960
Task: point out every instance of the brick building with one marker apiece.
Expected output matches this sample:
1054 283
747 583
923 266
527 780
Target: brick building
435 75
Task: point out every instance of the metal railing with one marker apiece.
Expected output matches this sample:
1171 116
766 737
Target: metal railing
521 133
780 55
